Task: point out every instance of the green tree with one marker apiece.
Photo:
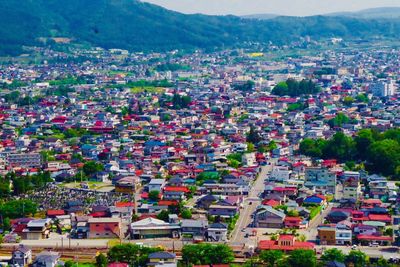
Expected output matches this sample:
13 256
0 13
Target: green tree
362 98
363 140
339 120
5 189
18 208
333 254
348 100
271 257
302 258
382 262
207 254
253 136
6 224
132 254
163 215
384 156
186 214
340 147
357 258
101 260
154 195
92 167
312 148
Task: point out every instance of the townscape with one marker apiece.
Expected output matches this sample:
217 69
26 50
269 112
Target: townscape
167 157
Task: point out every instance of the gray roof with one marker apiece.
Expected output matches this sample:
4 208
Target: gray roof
194 223
162 255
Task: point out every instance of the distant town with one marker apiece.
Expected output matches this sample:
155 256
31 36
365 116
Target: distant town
228 158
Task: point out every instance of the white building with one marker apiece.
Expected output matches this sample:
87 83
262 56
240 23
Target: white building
382 88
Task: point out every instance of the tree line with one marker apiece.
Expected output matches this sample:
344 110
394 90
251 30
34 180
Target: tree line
293 88
378 151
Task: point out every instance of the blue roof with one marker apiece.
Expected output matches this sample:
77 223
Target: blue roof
313 199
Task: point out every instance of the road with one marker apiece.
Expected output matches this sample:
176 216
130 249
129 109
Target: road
237 237
170 244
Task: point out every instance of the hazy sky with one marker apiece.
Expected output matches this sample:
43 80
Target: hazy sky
282 7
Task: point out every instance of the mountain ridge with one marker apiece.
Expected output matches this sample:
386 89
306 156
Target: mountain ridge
141 26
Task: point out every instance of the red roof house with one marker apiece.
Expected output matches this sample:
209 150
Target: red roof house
284 243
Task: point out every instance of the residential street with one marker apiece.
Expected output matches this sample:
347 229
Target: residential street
249 206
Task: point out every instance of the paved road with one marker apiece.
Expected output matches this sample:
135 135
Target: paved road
248 209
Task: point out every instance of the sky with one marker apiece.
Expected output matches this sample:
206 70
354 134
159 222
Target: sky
281 7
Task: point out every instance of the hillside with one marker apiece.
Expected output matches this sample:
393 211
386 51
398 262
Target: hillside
372 13
134 25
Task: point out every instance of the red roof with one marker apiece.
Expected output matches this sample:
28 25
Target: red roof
273 245
373 238
271 202
297 219
372 201
176 189
99 214
167 203
55 212
124 204
283 189
380 218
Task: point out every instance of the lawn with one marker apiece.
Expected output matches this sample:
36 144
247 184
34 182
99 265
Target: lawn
314 211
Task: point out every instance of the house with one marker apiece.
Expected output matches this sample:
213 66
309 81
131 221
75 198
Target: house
206 201
124 212
380 239
315 200
37 229
21 256
55 213
162 259
280 174
321 179
268 217
351 188
335 234
153 228
292 222
326 234
195 229
217 232
336 216
104 227
344 235
128 184
249 159
46 259
223 211
156 185
285 243
175 192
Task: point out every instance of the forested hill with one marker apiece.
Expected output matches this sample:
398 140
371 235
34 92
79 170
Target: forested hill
134 25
